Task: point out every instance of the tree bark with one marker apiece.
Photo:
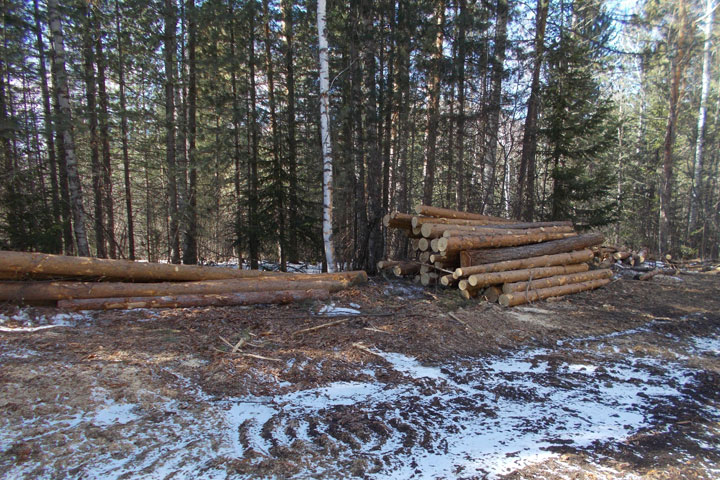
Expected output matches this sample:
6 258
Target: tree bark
666 237
61 265
190 250
277 168
478 257
185 301
169 47
253 199
697 185
556 281
48 124
513 299
64 128
325 137
495 106
525 205
124 135
473 242
496 278
104 137
44 291
433 115
293 217
430 211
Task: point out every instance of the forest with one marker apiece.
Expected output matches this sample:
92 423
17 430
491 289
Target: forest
190 131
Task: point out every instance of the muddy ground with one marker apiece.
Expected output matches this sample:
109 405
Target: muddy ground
622 382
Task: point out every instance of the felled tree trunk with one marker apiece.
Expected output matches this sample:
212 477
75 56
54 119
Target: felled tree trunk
496 278
522 263
479 257
470 242
430 211
512 299
556 281
182 301
44 291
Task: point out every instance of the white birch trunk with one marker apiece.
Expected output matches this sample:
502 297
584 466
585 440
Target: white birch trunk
64 126
702 115
325 134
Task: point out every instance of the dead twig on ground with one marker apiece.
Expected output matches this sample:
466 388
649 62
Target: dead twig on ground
250 355
324 325
365 349
457 319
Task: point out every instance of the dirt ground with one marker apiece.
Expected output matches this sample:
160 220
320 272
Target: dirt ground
622 382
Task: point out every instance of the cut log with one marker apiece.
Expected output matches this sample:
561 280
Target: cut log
447 259
447 280
473 231
388 264
479 257
491 294
621 255
183 301
423 244
416 232
523 263
66 266
406 268
468 294
512 299
418 222
42 291
496 278
472 242
424 257
398 220
434 244
556 281
429 278
430 211
414 244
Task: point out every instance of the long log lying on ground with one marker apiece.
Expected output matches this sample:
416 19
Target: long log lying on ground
519 298
430 211
182 301
479 257
472 242
523 263
43 291
61 265
556 281
496 278
436 230
388 264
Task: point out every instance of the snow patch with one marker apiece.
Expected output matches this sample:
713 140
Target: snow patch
333 311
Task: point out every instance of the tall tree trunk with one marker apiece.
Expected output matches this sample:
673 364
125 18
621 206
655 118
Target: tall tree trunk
460 132
293 218
104 116
402 57
666 240
525 204
433 115
170 19
277 169
495 107
253 200
325 137
190 253
124 135
91 98
697 186
236 133
64 127
374 162
48 130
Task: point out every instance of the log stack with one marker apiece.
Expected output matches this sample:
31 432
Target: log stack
496 259
94 283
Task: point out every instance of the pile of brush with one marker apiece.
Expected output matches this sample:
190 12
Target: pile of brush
494 258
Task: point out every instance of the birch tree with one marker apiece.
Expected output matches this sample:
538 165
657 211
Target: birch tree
325 137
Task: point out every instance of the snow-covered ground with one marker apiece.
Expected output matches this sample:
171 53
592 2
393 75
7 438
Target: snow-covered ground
472 416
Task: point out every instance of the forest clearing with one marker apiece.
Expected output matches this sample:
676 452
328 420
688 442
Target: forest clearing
404 382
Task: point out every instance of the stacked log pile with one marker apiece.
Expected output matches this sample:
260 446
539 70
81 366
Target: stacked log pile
93 283
496 259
